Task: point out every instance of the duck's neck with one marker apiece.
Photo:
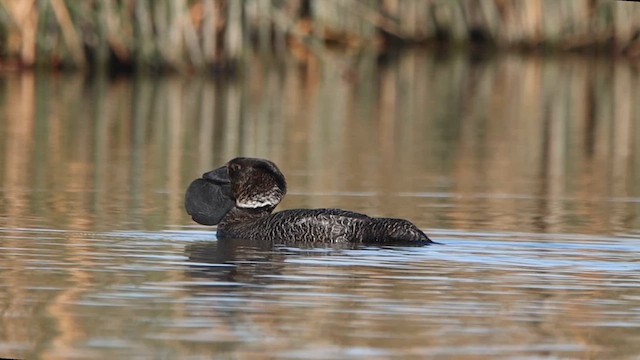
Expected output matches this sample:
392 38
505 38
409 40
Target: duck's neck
245 214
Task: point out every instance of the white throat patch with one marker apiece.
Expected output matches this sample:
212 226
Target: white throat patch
272 198
254 204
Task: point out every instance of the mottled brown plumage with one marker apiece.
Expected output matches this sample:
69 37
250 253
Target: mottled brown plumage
258 186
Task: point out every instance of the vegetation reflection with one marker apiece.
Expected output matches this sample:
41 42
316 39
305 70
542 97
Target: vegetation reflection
452 141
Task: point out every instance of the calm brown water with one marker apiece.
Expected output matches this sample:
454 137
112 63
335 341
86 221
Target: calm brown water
527 169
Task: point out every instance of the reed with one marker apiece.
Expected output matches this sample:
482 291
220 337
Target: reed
201 34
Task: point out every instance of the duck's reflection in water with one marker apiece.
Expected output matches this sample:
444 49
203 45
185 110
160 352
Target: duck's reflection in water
249 261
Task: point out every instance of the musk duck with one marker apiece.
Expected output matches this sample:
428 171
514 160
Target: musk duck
240 198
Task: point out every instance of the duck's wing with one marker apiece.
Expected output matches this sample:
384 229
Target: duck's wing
209 198
336 225
312 213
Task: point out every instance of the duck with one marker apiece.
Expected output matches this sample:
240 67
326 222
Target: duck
240 197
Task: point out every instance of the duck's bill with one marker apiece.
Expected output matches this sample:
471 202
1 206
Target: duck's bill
209 198
218 176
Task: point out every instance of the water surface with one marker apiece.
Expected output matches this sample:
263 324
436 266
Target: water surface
527 169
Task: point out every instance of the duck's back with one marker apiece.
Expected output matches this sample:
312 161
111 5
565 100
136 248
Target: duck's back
320 225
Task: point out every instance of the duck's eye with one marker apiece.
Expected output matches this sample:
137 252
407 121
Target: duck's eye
234 167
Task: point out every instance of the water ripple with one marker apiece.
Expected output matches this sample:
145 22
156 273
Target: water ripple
560 294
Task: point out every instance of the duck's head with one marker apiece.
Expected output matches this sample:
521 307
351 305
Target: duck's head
247 183
256 183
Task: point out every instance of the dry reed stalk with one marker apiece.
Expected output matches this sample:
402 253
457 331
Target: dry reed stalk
73 41
21 38
144 29
233 40
208 31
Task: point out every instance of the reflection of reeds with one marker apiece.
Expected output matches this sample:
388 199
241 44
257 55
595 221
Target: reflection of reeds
551 132
183 34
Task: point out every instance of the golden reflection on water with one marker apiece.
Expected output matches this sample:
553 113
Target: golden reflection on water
533 145
504 143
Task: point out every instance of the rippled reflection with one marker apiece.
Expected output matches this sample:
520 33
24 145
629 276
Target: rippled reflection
506 143
526 168
90 294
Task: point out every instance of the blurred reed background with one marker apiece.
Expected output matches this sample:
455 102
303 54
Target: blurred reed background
200 34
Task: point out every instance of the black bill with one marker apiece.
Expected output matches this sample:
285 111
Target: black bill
209 198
